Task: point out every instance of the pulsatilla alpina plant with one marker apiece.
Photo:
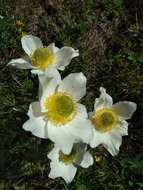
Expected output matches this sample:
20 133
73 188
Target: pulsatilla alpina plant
39 57
59 116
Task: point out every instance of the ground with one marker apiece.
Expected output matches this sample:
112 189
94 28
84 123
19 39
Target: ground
109 36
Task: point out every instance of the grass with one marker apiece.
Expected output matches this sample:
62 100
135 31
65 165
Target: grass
110 41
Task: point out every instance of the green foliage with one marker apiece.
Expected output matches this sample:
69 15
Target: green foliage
127 55
9 34
113 7
81 187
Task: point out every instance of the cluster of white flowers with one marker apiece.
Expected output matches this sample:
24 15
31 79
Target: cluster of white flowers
59 116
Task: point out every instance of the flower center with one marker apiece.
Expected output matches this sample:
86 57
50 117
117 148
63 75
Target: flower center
105 119
68 159
60 108
42 57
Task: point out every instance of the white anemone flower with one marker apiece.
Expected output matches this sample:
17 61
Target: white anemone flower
40 57
58 115
109 123
65 166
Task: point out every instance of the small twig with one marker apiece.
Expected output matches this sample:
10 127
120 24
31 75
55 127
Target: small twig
16 80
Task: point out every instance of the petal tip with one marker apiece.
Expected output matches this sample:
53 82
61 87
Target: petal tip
102 89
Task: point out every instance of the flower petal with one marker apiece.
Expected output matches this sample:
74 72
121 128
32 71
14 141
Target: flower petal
54 153
87 160
90 114
59 169
77 130
107 140
125 109
47 85
105 100
63 57
111 140
20 63
97 138
61 137
115 137
74 84
34 110
36 71
53 48
30 43
81 109
50 73
36 124
122 128
81 129
48 82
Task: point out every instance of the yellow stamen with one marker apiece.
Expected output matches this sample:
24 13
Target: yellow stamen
61 108
68 159
105 119
98 158
42 57
24 34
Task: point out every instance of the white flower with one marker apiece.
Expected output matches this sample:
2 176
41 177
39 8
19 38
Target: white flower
58 116
109 123
40 57
65 166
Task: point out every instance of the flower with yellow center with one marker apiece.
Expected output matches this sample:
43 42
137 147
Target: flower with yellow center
58 115
61 108
104 119
40 57
65 166
108 121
